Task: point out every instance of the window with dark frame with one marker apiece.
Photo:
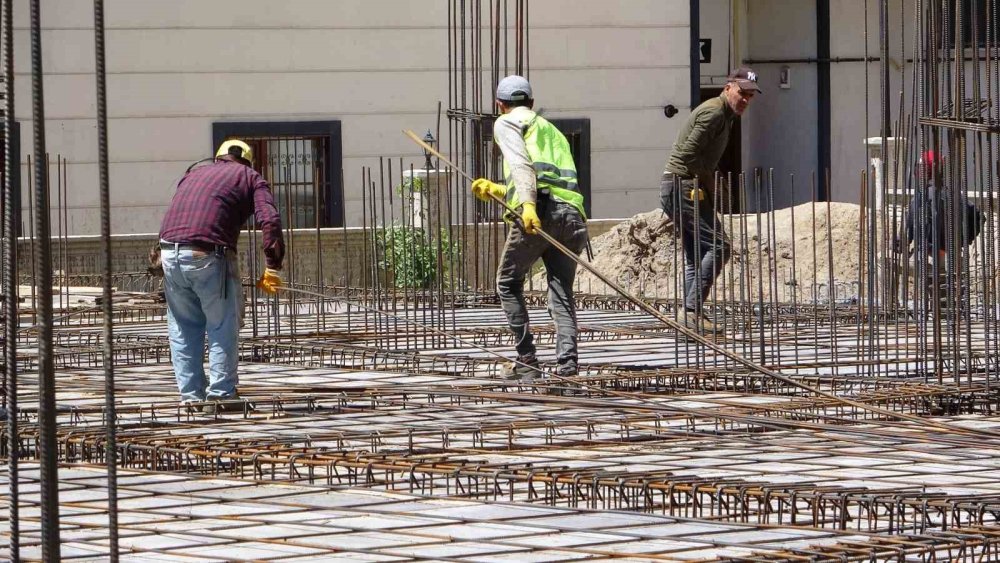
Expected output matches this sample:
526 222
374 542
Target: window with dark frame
301 161
975 11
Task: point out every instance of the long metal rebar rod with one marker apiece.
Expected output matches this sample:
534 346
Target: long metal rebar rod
10 278
48 445
872 281
111 453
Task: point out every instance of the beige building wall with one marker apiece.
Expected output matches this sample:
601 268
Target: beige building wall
378 66
852 122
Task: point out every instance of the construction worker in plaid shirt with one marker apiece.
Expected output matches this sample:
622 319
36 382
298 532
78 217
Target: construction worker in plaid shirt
198 239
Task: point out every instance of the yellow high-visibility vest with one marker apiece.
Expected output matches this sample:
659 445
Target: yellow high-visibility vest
555 171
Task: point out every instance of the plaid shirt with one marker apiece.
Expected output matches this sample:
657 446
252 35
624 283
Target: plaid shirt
213 202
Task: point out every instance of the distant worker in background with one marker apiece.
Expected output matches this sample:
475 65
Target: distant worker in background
198 239
926 225
542 185
686 193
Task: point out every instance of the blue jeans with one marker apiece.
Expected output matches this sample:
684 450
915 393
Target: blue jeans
202 301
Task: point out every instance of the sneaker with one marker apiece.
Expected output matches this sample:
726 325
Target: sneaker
234 403
524 369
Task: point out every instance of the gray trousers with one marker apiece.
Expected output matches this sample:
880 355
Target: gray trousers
563 223
935 278
706 245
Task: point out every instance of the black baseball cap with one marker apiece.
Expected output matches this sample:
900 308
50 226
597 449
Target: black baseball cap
745 78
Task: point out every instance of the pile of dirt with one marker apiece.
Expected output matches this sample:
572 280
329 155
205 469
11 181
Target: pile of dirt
643 254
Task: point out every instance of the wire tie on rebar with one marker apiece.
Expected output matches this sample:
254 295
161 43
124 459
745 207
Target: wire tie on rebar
258 471
218 461
292 468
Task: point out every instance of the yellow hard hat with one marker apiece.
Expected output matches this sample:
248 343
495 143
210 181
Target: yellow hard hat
245 152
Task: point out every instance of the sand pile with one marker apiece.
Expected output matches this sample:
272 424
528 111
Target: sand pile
643 254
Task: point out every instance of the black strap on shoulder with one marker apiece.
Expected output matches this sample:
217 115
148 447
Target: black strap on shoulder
196 164
192 167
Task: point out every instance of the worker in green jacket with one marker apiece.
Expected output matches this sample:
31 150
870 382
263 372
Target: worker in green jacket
686 193
541 184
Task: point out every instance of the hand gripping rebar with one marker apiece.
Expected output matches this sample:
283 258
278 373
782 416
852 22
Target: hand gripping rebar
697 337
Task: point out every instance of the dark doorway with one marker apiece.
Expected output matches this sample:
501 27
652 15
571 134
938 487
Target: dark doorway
577 133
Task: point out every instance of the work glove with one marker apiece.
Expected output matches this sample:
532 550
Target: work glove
483 189
529 217
269 281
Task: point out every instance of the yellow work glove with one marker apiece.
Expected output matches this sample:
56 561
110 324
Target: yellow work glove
483 189
269 281
529 217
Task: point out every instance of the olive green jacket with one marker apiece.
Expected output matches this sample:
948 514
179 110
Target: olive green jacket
701 141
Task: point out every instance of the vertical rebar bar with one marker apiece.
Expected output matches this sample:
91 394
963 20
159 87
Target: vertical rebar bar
760 272
58 229
47 445
288 188
793 281
317 208
111 451
873 195
64 247
10 283
31 247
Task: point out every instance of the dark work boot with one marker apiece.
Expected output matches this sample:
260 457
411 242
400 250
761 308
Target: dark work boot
567 369
524 369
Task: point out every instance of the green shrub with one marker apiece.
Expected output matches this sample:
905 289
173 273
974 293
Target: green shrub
410 185
411 259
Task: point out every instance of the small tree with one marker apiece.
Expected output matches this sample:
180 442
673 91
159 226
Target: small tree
412 257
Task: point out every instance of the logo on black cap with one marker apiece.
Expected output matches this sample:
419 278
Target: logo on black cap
745 78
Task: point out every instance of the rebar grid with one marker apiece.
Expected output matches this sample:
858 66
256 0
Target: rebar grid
656 423
621 337
171 516
369 414
487 443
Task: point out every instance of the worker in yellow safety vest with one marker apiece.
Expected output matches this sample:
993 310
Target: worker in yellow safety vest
541 184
